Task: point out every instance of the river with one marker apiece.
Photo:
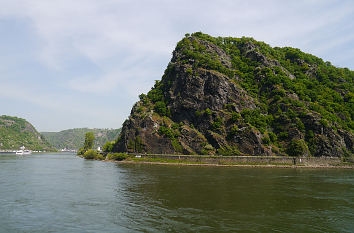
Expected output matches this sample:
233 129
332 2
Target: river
58 192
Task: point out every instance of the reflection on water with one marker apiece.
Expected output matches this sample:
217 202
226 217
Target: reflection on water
62 193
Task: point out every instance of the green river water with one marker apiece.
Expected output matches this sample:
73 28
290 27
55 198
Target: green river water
59 192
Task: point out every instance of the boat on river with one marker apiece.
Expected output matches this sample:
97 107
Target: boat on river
23 152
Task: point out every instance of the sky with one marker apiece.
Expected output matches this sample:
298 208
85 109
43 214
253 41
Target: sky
71 64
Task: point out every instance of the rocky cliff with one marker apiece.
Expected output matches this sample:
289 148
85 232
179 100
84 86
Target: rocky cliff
238 96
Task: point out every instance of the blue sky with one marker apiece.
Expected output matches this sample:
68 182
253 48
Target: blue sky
69 64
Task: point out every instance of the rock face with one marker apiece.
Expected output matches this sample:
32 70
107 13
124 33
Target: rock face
234 96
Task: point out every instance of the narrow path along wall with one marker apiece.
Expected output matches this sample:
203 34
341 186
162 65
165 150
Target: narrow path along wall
261 160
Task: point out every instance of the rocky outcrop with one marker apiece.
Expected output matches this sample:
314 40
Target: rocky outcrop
210 102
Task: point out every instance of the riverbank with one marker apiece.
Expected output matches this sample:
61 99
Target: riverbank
240 161
226 165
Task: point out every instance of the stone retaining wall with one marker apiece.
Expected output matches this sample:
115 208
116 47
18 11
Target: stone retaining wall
313 161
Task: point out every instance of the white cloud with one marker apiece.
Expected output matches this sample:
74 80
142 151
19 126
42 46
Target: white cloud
98 30
44 100
109 82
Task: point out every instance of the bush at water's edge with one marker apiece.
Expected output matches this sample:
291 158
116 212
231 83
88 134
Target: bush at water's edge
96 155
117 156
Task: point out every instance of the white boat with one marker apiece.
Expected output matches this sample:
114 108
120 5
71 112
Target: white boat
19 152
23 151
27 152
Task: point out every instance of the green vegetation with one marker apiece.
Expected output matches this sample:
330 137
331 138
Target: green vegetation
88 153
172 133
136 144
255 118
296 148
108 147
89 140
96 155
88 144
73 139
160 108
117 156
93 154
16 132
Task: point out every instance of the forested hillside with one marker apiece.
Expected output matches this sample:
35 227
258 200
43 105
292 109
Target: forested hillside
17 132
74 138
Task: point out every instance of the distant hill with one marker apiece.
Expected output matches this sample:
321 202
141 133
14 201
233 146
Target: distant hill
74 138
16 132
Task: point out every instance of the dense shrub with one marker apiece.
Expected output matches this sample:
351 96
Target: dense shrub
93 154
160 108
255 118
296 147
168 132
108 147
156 93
